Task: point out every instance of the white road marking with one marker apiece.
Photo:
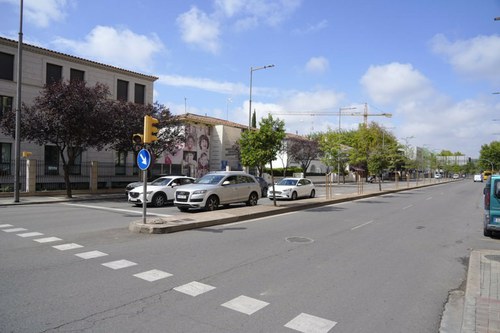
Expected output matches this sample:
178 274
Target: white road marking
47 239
116 209
194 288
69 246
362 225
246 305
429 198
30 234
119 264
5 225
153 275
409 206
310 324
91 254
14 230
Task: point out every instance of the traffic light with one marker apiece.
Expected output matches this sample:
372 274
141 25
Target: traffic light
138 139
150 129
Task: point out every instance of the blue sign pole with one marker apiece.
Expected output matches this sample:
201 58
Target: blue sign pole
143 162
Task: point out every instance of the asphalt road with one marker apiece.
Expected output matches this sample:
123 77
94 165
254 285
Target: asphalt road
383 264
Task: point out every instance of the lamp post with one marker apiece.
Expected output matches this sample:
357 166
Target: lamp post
18 107
252 69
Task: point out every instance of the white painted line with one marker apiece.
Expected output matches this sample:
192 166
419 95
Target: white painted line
119 264
362 225
116 209
153 275
409 206
5 225
429 198
91 254
14 230
30 234
310 324
194 288
246 305
65 247
47 239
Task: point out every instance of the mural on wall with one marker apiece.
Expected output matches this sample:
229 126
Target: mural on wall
194 156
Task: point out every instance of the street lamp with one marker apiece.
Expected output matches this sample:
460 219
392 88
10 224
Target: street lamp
250 100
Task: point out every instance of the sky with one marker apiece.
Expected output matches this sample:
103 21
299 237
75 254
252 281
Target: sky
433 65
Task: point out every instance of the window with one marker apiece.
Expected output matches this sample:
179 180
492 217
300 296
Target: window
54 73
122 90
76 75
76 167
139 93
120 162
5 159
5 104
6 66
51 160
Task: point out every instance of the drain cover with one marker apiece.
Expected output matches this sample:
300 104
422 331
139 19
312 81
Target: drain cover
299 240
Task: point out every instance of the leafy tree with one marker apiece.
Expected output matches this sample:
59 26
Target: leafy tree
333 146
70 115
303 151
254 119
261 146
490 154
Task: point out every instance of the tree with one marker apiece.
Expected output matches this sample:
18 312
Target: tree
489 156
303 151
69 115
261 146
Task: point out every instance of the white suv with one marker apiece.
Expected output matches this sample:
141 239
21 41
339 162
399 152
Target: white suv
160 191
218 188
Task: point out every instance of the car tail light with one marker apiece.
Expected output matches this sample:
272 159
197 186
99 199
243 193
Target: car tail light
487 200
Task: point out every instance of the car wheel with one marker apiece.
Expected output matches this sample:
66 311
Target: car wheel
159 199
313 194
252 200
487 232
183 209
294 196
212 203
264 192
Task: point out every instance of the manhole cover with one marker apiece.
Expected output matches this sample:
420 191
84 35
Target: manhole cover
299 240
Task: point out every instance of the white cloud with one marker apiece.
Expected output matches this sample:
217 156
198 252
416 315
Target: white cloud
395 83
477 58
312 28
197 28
42 12
317 65
203 84
122 48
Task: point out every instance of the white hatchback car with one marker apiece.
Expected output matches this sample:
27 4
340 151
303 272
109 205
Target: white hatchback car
292 188
160 191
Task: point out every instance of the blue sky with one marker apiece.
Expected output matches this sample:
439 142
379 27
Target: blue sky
433 64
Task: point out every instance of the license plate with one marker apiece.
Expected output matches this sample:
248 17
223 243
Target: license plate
496 219
181 196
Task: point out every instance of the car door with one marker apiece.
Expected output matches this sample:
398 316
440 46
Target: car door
230 190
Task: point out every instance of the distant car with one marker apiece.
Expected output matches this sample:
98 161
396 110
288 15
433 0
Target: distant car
478 178
292 188
437 176
456 176
218 188
160 191
264 186
133 185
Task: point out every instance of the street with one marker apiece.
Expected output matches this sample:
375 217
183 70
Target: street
382 264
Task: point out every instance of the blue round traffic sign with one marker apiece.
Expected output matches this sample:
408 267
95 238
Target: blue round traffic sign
143 159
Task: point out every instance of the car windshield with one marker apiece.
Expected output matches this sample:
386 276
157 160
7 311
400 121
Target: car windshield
161 181
287 182
209 179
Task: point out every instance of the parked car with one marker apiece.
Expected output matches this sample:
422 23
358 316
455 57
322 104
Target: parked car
218 188
478 178
456 176
491 205
160 191
292 188
133 185
438 175
264 186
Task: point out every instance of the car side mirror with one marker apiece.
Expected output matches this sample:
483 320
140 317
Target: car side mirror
226 182
175 184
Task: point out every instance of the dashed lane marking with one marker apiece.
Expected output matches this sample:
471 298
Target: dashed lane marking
6 225
91 254
153 275
47 239
362 225
429 198
406 207
69 246
14 230
116 209
194 288
119 264
30 234
245 304
310 324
